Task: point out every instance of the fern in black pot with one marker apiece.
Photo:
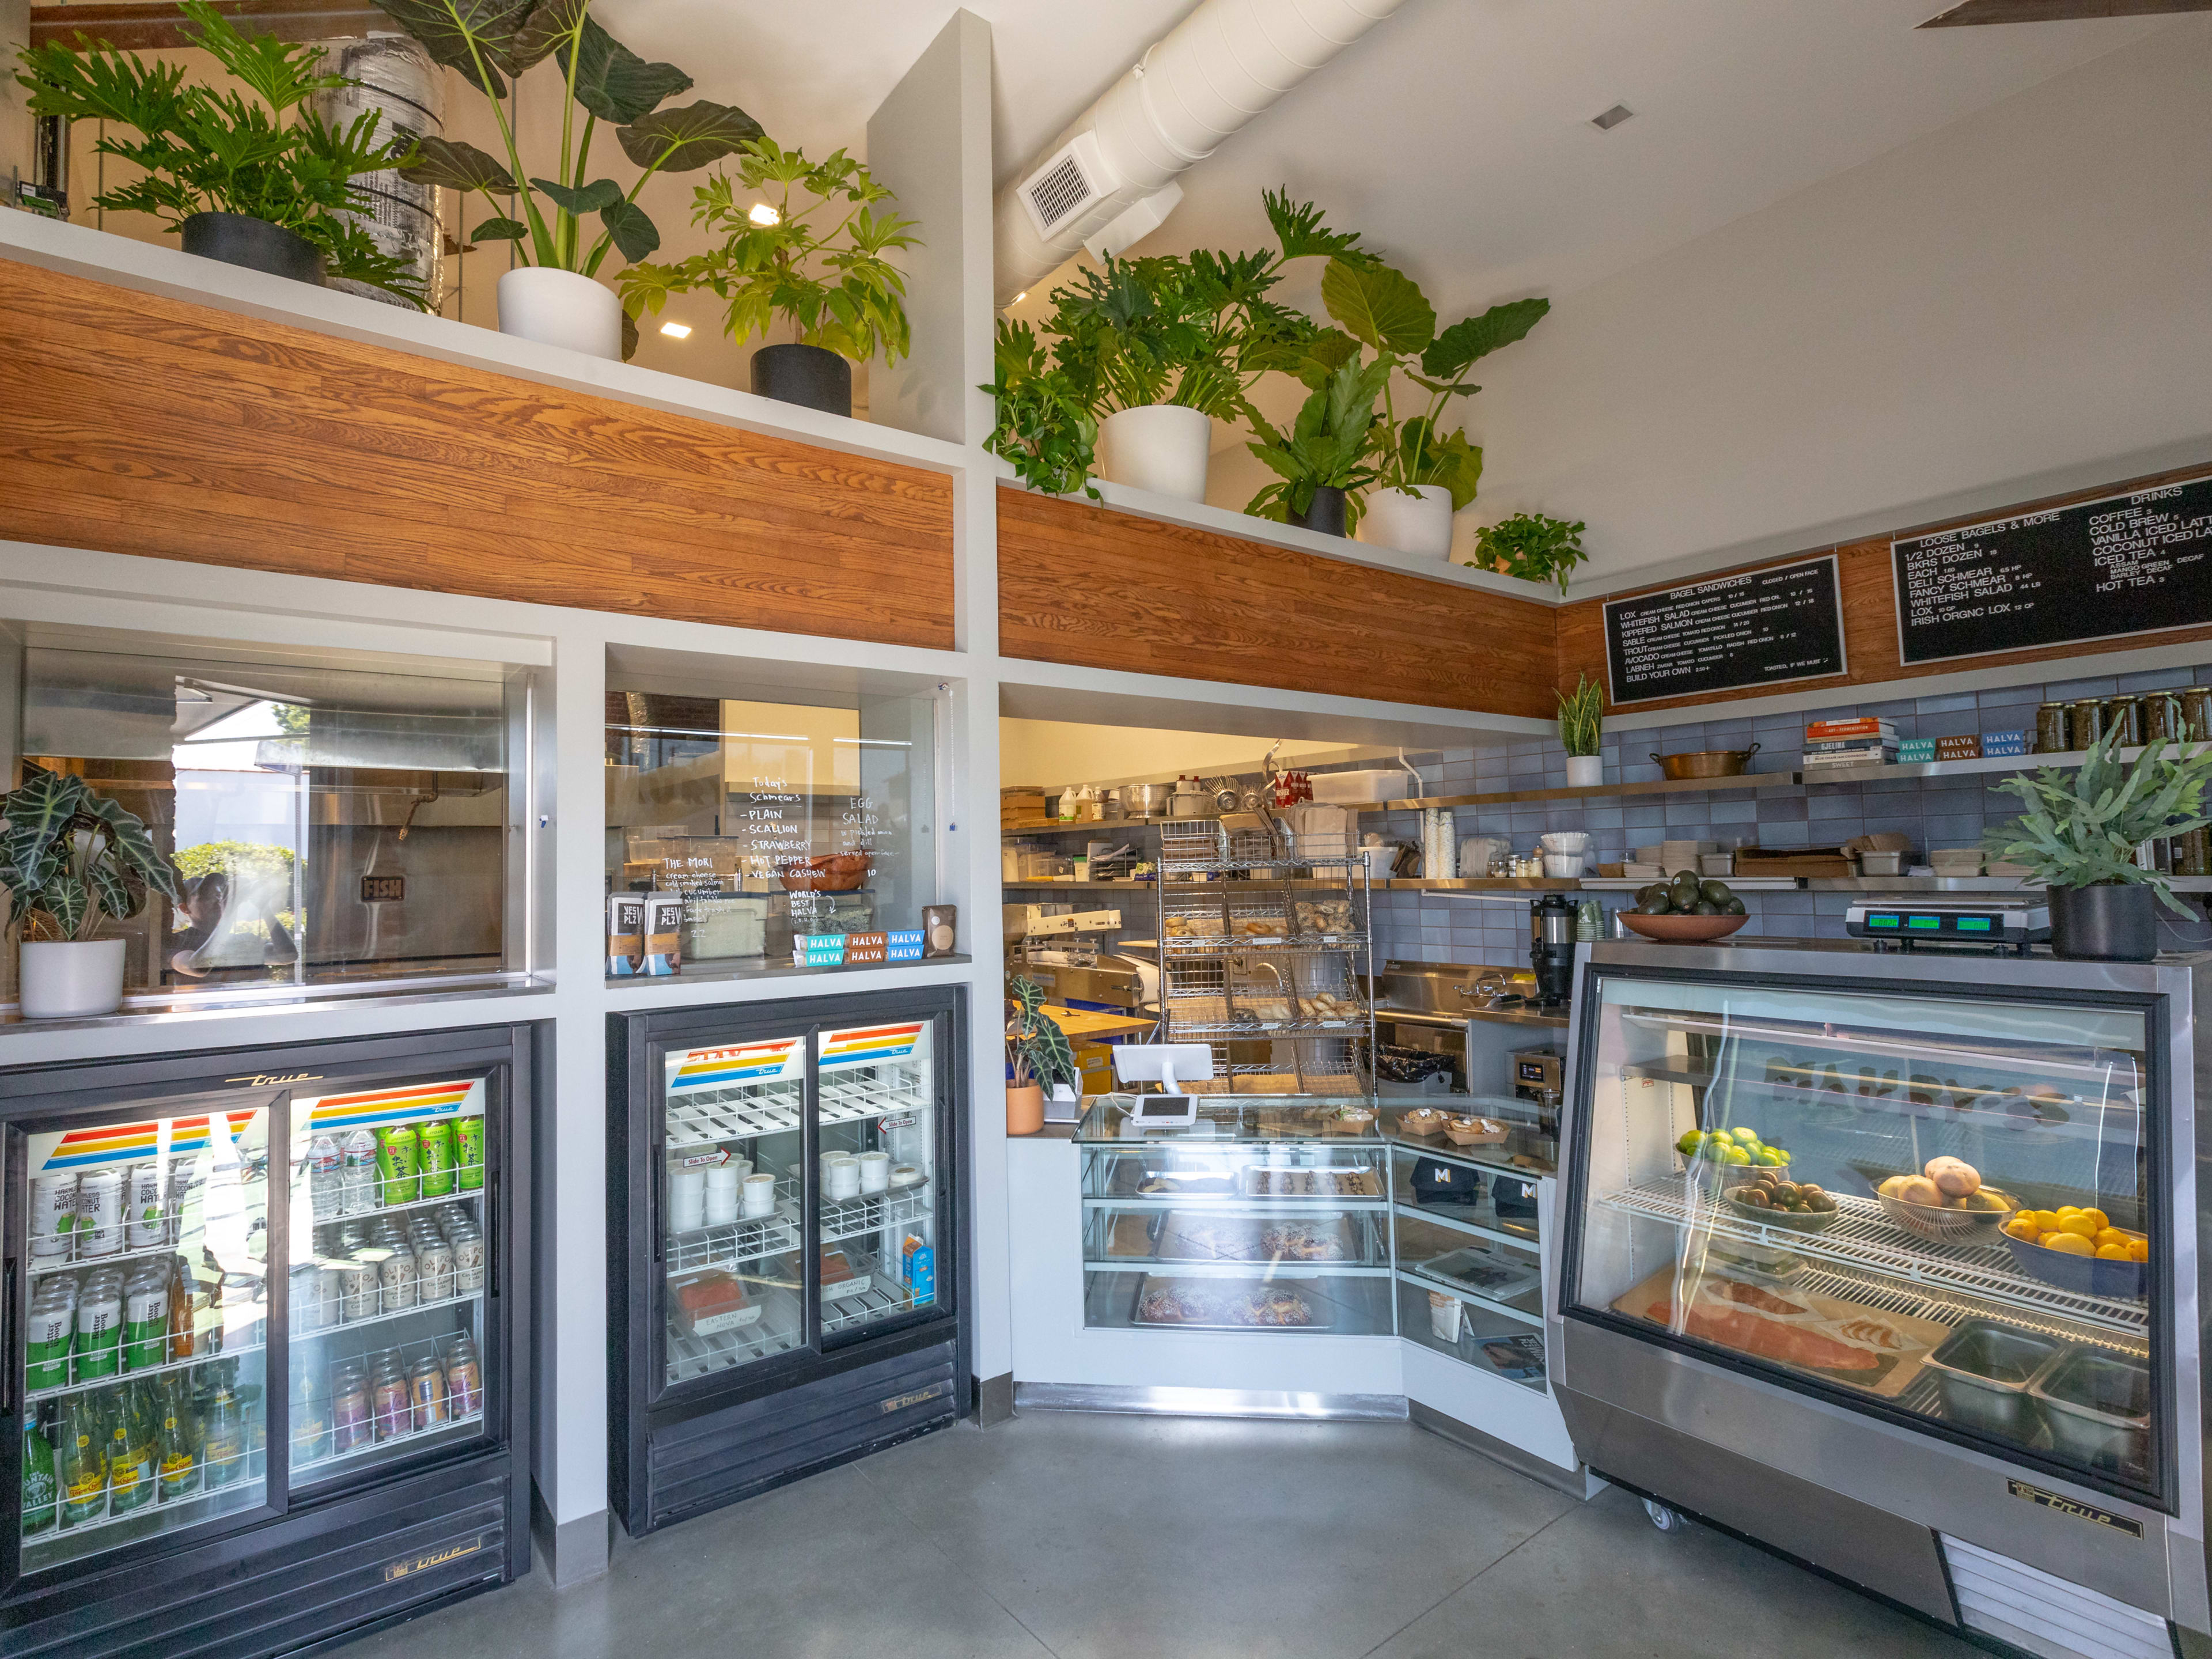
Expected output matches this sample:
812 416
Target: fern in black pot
2078 836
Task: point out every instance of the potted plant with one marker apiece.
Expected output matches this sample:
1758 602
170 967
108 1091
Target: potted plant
1426 474
551 296
830 282
1150 349
1037 1052
2078 835
69 857
250 175
1582 722
1532 547
1323 460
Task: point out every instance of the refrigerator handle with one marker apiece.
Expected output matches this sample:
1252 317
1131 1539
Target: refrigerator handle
8 1372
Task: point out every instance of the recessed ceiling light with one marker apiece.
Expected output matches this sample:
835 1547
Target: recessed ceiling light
677 331
1611 118
764 215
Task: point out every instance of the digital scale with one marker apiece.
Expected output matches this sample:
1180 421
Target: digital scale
1993 921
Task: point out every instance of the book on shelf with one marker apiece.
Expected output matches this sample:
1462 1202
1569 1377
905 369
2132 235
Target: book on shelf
1870 727
1854 746
1845 763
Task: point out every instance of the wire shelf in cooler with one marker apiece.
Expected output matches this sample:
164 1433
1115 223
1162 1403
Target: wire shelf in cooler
738 1242
879 1301
719 1114
332 1462
32 1396
1862 1240
465 1298
1914 1048
459 1194
851 1218
848 1099
246 1490
692 1356
1954 1308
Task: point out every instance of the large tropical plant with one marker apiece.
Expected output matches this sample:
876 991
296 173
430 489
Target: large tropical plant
69 857
1037 1047
492 42
781 259
2081 827
1328 446
258 149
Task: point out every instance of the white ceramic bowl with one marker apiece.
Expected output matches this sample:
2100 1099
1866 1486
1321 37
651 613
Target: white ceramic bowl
1563 864
1566 841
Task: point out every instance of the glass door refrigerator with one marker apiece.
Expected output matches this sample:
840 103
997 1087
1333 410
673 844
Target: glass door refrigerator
1891 1260
265 1330
787 1240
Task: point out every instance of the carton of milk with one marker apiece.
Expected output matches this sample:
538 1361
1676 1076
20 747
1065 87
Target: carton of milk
918 1267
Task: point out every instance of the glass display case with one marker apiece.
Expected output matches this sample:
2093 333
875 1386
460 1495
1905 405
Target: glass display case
788 834
1941 1206
1257 1216
1465 1202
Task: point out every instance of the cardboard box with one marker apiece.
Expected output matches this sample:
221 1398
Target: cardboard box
817 949
1962 748
865 948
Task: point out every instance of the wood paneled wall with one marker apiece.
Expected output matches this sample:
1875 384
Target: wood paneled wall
1082 584
1869 595
130 423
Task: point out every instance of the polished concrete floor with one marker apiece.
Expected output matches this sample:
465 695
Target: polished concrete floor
1096 1537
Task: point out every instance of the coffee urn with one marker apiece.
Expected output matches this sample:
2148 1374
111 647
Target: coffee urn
1552 947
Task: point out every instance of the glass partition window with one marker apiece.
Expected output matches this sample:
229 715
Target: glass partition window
330 823
784 830
388 1274
1942 1209
143 1371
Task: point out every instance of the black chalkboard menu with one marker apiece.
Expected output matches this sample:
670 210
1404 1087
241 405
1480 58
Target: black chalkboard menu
2126 564
1760 628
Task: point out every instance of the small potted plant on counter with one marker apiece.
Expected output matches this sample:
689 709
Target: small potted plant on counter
70 857
1532 547
252 175
830 282
553 296
1324 460
1037 1051
2079 833
1582 724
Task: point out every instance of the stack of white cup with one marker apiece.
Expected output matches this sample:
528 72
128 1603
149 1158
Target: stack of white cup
687 1201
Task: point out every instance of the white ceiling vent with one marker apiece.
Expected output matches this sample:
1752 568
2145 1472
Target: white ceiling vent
1058 193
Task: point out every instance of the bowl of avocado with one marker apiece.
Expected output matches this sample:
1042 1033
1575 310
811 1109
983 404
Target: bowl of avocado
1687 910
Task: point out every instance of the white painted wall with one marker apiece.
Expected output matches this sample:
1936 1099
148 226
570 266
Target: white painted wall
1055 753
2015 299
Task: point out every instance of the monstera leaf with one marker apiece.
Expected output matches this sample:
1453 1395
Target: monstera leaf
456 166
680 140
614 82
1458 346
1383 309
476 37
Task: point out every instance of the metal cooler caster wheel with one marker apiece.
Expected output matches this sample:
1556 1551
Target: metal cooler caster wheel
1665 1519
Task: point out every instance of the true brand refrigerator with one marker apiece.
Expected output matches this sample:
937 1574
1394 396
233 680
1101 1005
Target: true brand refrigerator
266 1329
1892 1260
787 1247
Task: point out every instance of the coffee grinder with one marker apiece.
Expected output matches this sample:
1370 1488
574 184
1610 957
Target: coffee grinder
1551 948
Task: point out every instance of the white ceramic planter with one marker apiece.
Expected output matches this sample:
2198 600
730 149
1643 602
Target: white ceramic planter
71 981
559 309
1419 523
1161 448
1585 771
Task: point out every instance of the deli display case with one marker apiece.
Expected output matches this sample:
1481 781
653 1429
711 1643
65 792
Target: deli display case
788 1252
1893 1263
1253 1217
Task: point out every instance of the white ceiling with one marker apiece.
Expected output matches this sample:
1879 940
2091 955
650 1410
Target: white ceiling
1456 134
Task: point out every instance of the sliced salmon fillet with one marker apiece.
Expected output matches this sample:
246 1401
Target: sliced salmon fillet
1748 1332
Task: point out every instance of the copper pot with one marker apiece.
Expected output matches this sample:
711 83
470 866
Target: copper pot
834 872
1706 762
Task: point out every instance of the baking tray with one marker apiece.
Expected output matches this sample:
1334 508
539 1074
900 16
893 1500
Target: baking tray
1247 1240
1482 1274
1131 1235
1321 1307
1341 1182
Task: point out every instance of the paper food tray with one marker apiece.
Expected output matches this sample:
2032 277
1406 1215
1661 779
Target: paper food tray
1483 1274
1210 1298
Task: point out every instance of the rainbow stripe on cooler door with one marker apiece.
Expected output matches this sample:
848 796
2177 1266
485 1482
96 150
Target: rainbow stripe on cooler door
461 1096
120 1143
736 1063
871 1045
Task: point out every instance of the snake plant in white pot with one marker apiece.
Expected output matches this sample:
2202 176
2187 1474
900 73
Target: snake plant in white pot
2080 835
70 859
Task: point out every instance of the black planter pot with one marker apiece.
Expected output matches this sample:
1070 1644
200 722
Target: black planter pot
807 375
2113 921
238 240
1325 511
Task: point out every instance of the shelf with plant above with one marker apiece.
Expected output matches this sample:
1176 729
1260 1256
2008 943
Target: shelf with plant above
252 174
1423 473
571 222
1531 546
2079 835
1137 359
781 259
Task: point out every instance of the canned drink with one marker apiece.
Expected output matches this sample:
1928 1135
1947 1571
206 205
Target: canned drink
357 1172
398 1280
51 1329
360 1289
437 1155
97 1348
391 1407
463 1379
434 1265
53 1214
472 1153
468 1262
147 1228
100 1212
426 1392
188 1175
326 1182
350 1409
311 1418
308 1298
146 1320
334 1289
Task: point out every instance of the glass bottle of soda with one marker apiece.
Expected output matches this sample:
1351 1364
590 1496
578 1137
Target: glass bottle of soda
223 1428
179 1443
39 1488
183 1289
129 1450
81 1462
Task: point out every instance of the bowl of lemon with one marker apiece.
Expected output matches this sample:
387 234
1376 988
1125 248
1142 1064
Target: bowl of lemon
2078 1249
1722 1157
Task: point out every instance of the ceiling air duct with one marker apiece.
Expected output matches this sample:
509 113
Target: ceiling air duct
1218 68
